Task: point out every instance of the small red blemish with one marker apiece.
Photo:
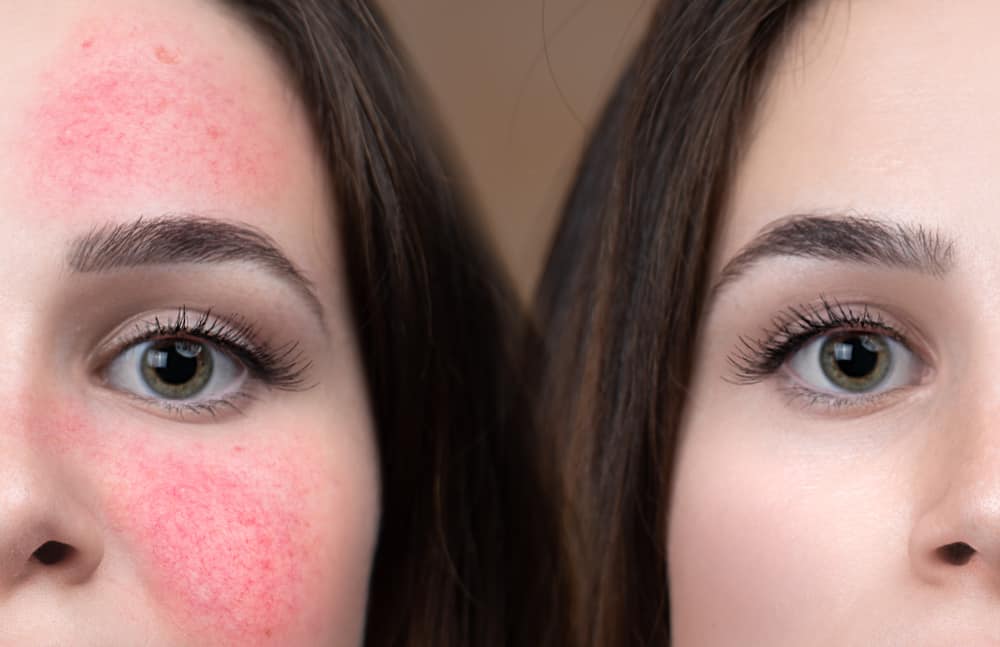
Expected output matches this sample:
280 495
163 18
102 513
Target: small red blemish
239 449
164 55
214 132
87 44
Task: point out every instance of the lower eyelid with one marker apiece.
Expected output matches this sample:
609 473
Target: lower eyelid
833 404
813 401
204 411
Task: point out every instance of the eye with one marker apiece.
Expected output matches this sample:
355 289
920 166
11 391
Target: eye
177 369
855 363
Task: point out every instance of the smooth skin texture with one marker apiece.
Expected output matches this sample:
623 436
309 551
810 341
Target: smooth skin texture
797 523
252 524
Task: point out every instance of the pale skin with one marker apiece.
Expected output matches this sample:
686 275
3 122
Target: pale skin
797 522
251 521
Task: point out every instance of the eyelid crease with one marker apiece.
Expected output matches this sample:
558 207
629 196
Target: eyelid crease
187 238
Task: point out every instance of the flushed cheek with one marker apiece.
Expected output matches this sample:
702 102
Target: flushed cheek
226 541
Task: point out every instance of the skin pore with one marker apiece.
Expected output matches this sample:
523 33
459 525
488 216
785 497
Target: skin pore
245 513
803 512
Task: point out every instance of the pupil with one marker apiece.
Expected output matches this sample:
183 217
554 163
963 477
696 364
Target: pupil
174 363
854 357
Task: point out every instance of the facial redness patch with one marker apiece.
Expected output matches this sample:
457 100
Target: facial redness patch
148 109
222 536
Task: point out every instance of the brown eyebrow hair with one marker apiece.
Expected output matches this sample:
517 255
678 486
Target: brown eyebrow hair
845 238
185 238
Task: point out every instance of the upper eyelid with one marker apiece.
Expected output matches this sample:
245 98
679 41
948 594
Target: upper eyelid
285 366
187 239
870 317
201 337
145 329
747 360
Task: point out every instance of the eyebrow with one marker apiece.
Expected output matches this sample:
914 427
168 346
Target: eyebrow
850 239
182 239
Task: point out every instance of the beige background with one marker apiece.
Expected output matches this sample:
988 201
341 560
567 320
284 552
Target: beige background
517 83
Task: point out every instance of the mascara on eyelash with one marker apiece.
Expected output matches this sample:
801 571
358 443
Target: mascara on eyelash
283 367
756 359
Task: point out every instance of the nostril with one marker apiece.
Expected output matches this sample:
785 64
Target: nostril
53 552
957 554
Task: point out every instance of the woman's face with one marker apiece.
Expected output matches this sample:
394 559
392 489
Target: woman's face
838 475
186 450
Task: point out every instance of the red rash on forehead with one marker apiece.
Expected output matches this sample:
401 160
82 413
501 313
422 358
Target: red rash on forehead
224 537
126 109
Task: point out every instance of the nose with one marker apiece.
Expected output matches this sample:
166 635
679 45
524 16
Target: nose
47 533
955 540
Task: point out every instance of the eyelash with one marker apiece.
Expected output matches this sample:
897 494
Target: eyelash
280 367
759 359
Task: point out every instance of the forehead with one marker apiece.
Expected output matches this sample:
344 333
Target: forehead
153 104
879 107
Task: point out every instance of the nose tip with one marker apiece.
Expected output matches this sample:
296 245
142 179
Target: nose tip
955 539
46 534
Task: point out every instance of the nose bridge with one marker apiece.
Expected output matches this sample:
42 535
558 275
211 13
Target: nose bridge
47 530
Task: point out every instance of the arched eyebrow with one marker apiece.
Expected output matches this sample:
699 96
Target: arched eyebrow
185 238
846 239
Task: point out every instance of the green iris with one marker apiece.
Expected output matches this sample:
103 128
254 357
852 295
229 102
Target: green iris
176 369
855 362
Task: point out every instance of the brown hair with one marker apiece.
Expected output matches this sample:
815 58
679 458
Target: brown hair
623 292
464 553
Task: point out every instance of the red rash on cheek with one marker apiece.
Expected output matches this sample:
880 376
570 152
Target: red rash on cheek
225 539
220 535
127 110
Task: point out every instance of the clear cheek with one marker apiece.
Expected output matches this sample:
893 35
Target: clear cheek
750 530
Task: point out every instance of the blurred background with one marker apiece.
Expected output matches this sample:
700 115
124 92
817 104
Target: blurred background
517 84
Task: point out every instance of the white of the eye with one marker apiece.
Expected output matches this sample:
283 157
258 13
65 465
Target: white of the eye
125 372
806 364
